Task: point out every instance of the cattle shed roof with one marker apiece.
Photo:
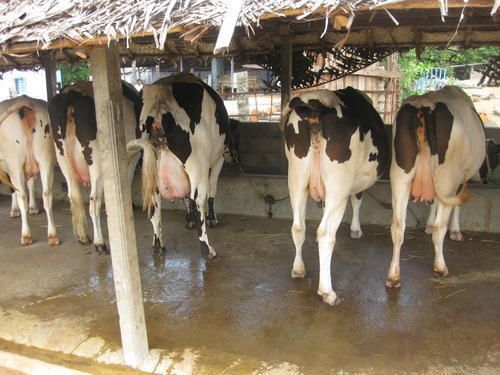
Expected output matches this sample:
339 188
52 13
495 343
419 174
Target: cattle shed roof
155 30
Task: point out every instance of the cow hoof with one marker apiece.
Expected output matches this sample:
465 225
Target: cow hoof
298 273
212 222
356 234
441 273
211 254
53 240
456 236
15 213
34 210
189 224
429 229
101 249
84 241
331 298
26 240
393 283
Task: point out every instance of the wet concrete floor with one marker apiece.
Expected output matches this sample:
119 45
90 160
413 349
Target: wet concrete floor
242 313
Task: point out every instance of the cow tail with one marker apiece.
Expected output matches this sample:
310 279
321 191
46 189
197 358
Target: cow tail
462 196
5 180
149 170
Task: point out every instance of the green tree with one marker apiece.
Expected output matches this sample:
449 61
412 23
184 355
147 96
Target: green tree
71 73
414 68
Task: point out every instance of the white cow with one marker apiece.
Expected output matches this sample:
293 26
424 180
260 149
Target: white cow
439 144
73 118
190 135
337 146
27 150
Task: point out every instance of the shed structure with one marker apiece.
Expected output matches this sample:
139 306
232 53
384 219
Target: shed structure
111 33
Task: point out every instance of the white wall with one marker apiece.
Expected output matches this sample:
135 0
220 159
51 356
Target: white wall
35 83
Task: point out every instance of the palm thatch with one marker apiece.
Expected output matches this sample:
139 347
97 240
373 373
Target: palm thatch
46 21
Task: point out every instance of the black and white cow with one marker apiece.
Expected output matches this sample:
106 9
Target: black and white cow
73 119
26 151
337 146
190 139
439 144
489 164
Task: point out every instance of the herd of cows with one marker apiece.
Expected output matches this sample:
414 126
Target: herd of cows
335 142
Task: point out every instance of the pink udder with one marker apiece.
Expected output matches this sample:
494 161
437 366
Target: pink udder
173 181
422 188
316 186
77 160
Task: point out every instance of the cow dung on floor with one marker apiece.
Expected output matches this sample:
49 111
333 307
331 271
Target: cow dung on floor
243 313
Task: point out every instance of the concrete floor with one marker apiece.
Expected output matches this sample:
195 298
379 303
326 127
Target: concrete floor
242 313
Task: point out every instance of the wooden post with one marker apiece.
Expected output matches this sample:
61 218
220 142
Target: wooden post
49 65
105 67
286 64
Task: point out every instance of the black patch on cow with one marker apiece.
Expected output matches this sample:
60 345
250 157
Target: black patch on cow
438 125
33 130
195 194
196 216
177 138
211 212
23 111
17 141
84 118
300 141
189 96
372 156
405 140
46 130
152 210
357 107
226 126
148 125
359 195
130 93
41 124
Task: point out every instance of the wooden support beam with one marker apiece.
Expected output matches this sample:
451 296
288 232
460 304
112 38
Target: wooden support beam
105 65
286 64
49 64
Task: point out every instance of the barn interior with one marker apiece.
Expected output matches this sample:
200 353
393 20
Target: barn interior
242 313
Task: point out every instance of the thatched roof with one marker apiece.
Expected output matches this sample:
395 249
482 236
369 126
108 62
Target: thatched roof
156 28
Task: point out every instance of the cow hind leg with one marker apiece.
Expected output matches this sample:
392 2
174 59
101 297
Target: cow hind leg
400 186
199 196
34 209
440 228
95 203
190 207
47 177
212 190
429 227
455 233
298 200
14 208
356 200
17 178
327 231
155 217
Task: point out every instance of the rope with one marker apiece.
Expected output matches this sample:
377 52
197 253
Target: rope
267 198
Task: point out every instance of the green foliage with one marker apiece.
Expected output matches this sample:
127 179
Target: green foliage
414 68
71 73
